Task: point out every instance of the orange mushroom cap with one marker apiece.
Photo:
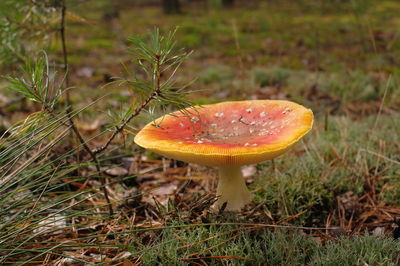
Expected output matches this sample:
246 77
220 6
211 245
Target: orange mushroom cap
228 133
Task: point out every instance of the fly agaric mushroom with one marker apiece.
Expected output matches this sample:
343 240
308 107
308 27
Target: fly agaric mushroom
228 135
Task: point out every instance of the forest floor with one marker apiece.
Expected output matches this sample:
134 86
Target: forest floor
332 200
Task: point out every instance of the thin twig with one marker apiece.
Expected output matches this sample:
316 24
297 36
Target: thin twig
118 129
380 109
380 156
64 46
104 181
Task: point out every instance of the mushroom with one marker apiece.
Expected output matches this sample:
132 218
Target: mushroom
228 135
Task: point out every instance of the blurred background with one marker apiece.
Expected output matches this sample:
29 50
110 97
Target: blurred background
334 55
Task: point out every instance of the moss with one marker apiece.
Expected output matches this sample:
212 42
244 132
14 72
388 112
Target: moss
98 43
223 244
367 250
216 74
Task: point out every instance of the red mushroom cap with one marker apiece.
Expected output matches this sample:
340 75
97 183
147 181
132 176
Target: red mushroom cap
228 133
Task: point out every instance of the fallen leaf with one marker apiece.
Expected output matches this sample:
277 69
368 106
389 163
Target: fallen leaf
166 189
117 171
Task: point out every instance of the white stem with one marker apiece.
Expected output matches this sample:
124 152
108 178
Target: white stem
232 189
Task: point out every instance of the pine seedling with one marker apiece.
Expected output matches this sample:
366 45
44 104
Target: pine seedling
25 28
38 84
154 86
34 198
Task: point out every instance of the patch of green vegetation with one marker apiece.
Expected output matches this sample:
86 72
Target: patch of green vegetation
390 191
229 244
332 162
216 74
274 76
343 86
351 86
191 40
220 244
295 190
98 43
366 250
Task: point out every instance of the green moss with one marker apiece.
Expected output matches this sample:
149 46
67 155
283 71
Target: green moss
309 182
223 244
239 247
368 250
215 74
98 43
273 76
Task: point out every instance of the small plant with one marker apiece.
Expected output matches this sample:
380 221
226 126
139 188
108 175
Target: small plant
25 28
41 190
155 87
38 84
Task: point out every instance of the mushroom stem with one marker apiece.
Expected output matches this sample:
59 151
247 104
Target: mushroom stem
232 189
